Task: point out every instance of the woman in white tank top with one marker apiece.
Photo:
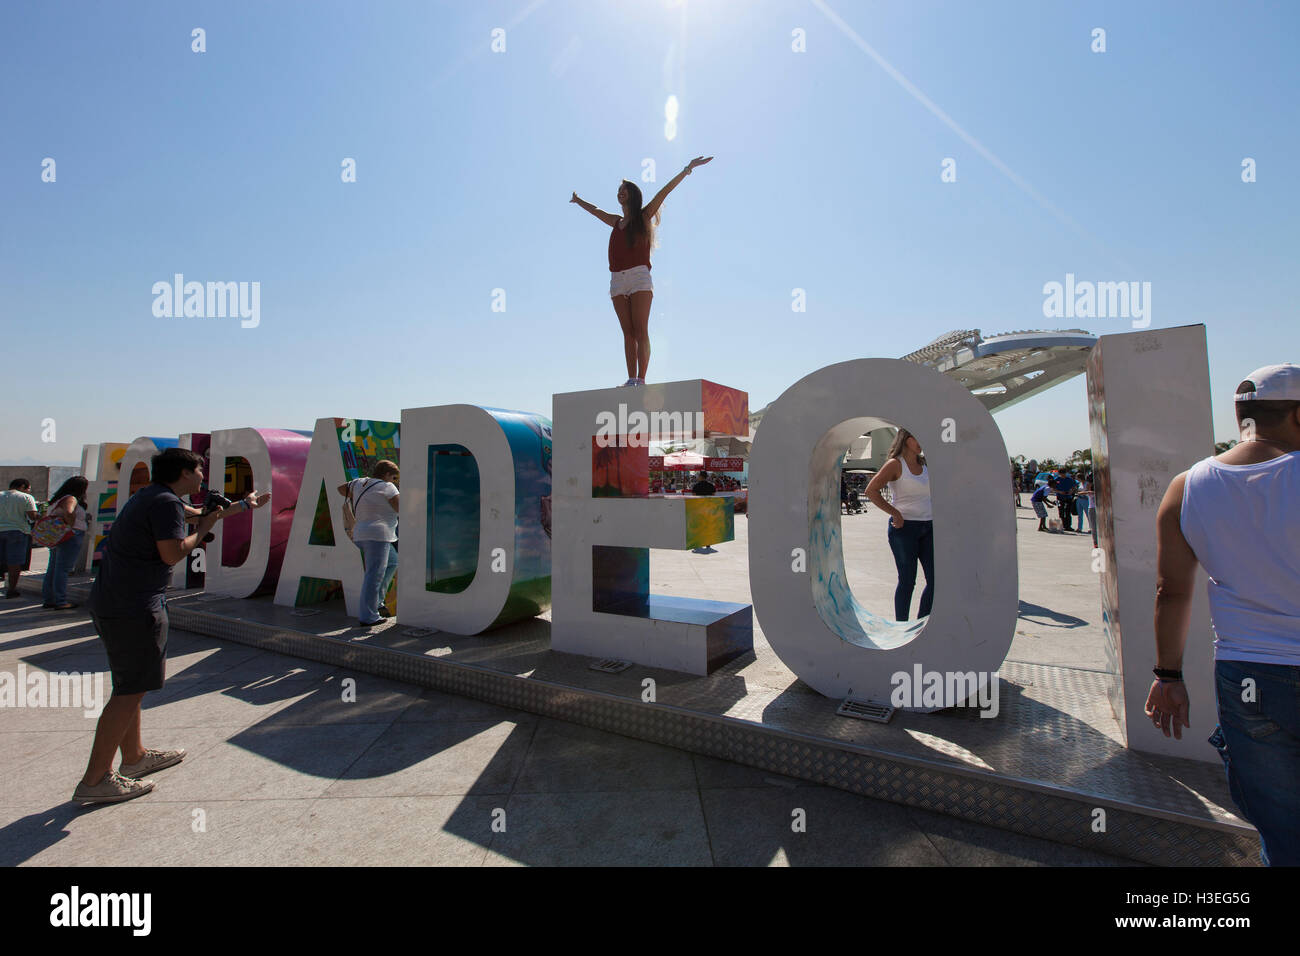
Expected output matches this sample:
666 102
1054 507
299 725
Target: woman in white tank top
911 528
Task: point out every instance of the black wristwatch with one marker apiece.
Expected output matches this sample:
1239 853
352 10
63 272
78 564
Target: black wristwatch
1165 674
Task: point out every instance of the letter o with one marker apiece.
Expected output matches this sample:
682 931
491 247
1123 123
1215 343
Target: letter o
812 620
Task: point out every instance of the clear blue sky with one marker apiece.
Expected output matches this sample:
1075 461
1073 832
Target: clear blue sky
377 295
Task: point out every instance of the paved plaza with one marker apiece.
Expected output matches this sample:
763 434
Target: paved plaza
286 768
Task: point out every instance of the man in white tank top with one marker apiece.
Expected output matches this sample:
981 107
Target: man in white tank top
1238 516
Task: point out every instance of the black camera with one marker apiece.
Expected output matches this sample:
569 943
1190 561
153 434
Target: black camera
214 502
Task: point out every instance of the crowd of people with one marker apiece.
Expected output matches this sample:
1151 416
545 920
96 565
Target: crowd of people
1060 488
685 482
65 516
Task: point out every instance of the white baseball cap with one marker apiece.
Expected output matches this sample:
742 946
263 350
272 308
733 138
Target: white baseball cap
1272 383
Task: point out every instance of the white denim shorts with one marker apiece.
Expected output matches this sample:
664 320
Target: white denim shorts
636 279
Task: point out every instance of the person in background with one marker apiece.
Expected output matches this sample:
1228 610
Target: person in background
703 486
1084 507
911 524
1066 486
1015 483
17 512
1039 501
1235 514
1092 508
70 501
375 502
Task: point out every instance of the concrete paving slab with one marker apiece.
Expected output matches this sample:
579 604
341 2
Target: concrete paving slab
631 828
424 759
148 832
258 763
569 758
754 827
395 831
20 747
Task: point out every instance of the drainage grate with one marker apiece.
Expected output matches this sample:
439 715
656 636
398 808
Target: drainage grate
610 665
304 611
866 710
412 631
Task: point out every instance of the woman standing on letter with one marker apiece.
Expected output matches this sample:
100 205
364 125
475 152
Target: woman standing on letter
630 243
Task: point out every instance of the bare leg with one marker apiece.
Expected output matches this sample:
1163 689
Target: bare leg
641 330
120 717
131 746
623 309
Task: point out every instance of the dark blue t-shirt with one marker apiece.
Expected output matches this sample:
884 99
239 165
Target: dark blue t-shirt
132 574
1066 485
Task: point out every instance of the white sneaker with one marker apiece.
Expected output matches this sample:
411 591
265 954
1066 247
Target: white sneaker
630 381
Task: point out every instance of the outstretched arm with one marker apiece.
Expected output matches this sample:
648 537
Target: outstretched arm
608 218
652 207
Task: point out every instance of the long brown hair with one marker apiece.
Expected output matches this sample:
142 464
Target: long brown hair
895 450
636 224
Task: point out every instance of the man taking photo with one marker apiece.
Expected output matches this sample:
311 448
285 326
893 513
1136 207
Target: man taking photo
128 606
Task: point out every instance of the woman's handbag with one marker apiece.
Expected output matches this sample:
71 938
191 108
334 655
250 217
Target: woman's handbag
51 529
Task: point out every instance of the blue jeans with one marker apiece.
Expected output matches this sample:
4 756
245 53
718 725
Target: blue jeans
1259 741
913 542
54 589
380 560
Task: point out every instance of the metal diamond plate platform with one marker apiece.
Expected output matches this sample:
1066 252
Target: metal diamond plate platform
1044 767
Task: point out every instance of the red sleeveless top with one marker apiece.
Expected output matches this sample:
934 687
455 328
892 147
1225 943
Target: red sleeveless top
621 257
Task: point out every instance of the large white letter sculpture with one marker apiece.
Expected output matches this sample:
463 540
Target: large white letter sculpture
1149 398
340 561
277 458
605 524
475 541
101 496
810 617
